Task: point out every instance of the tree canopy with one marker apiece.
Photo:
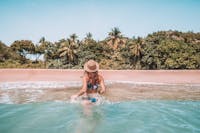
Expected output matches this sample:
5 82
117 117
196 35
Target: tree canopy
159 50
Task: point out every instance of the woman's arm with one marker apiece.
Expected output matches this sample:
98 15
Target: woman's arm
102 84
84 87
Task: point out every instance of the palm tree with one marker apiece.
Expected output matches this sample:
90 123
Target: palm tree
89 35
73 38
88 39
42 40
48 50
137 50
67 52
44 45
73 41
115 38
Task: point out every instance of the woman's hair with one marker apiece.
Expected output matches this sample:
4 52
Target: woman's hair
93 77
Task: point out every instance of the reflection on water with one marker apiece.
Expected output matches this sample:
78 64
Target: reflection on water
134 116
115 92
90 118
129 108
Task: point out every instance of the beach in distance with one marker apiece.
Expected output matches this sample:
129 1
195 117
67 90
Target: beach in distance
100 66
137 76
19 85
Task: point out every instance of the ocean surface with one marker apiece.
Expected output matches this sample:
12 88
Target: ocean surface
45 107
140 116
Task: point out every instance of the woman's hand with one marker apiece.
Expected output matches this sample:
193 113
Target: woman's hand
102 91
74 96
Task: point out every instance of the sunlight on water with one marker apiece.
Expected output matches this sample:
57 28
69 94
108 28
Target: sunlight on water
133 116
125 108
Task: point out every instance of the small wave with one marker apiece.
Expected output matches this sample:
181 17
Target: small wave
149 83
38 85
100 100
5 99
56 84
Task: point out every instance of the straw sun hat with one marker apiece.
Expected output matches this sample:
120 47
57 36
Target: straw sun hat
91 66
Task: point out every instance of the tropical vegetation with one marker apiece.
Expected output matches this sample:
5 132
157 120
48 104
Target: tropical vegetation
159 50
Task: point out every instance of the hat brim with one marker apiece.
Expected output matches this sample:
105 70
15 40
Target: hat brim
89 70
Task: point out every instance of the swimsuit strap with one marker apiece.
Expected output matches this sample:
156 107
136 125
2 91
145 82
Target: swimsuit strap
91 86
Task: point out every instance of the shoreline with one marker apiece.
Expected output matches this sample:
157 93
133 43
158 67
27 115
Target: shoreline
39 85
135 76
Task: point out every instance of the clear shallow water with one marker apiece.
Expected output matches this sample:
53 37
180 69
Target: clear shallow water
28 92
152 116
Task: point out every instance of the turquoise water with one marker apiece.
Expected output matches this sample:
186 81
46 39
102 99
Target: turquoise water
123 117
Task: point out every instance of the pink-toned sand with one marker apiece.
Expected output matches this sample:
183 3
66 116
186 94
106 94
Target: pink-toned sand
149 76
175 90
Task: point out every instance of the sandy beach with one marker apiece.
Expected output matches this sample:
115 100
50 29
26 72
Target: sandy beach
40 85
148 76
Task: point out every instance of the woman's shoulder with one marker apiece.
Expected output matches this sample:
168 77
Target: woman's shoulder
85 76
100 77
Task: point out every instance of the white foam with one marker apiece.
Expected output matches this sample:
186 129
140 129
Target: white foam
34 91
56 84
38 85
5 99
148 83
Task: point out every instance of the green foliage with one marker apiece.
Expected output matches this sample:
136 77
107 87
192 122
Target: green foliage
7 53
91 50
23 47
17 64
68 53
159 50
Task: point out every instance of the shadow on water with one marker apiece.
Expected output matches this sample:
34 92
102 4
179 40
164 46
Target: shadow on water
90 118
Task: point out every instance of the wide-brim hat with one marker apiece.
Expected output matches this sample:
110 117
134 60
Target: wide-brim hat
91 66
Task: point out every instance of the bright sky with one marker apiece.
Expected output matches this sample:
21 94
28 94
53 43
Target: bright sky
57 19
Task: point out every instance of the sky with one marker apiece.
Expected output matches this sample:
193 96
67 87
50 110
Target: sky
57 19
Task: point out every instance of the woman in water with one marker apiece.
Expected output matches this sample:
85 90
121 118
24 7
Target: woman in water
91 82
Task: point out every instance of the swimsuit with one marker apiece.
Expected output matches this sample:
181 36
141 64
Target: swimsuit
91 87
92 99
